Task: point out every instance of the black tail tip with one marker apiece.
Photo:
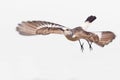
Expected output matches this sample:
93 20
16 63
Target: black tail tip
90 18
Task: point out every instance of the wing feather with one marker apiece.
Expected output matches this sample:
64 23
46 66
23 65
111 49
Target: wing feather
104 37
40 27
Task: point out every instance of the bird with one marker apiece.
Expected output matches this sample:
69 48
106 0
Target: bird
101 38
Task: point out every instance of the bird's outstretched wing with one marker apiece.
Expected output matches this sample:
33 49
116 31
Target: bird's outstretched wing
39 27
102 38
88 21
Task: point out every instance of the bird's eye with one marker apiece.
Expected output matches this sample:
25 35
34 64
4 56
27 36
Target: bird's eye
67 29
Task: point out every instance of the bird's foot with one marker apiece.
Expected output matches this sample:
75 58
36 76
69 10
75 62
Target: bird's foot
82 48
90 45
81 45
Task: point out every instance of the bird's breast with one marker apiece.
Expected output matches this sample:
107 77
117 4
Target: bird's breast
72 37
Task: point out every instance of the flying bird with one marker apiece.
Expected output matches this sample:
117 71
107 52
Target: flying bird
100 38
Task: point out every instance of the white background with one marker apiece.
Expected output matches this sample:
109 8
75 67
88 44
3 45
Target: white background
53 57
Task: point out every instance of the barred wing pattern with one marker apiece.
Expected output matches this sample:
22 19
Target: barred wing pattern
100 38
40 27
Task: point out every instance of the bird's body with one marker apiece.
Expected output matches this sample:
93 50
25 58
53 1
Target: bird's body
75 34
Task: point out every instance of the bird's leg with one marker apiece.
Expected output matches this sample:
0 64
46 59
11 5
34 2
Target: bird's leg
90 43
81 45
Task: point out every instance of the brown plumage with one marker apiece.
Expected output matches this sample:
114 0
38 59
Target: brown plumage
75 34
106 38
39 27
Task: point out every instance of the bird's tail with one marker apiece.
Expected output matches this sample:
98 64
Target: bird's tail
26 28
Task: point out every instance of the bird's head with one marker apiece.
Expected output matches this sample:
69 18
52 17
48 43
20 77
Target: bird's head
68 32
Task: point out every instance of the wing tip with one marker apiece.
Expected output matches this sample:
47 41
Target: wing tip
25 29
90 19
106 38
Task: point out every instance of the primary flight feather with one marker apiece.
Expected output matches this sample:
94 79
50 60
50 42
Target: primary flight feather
101 38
